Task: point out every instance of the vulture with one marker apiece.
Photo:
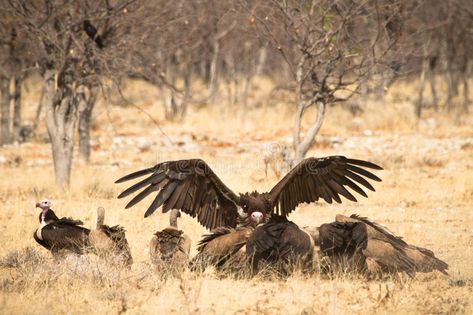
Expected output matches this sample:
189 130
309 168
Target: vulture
281 244
170 244
224 248
60 236
110 242
192 187
365 246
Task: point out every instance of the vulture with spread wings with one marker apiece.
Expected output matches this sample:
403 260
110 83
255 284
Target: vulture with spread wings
192 187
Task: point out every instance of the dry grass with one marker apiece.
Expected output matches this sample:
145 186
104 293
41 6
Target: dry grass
426 196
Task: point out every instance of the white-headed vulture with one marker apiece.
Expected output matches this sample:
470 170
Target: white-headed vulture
60 236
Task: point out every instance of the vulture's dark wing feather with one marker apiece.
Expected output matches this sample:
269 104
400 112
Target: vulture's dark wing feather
69 221
338 238
168 241
188 185
59 236
220 246
326 178
392 252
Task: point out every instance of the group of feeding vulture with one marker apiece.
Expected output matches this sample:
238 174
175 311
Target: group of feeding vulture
249 229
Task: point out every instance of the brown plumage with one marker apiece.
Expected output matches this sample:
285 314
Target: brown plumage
372 249
223 248
280 243
192 187
170 246
60 236
110 241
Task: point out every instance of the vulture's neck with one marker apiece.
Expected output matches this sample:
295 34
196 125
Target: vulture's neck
42 217
173 219
47 216
100 217
43 221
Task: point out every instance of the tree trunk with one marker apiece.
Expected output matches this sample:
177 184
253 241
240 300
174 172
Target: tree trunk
464 78
5 119
170 107
435 99
17 109
301 106
420 98
465 91
450 84
62 147
213 85
246 90
262 54
306 143
61 109
187 93
296 131
85 117
39 108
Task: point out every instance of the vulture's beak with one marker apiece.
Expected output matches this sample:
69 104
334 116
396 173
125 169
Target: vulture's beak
38 205
257 217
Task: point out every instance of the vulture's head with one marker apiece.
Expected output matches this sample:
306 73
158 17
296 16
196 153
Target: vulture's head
256 206
44 204
175 213
254 201
257 217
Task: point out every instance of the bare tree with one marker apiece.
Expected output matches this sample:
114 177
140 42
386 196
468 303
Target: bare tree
71 58
331 47
15 60
5 110
7 47
441 30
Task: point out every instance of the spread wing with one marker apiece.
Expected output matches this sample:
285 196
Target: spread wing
326 178
188 185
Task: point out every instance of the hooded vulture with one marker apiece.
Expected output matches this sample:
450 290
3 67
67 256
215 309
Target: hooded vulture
192 187
281 244
170 244
224 248
60 236
368 247
110 242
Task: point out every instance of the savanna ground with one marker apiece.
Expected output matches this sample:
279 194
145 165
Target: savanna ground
426 196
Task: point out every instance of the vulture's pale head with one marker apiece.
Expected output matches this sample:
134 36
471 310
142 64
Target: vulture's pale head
257 217
44 204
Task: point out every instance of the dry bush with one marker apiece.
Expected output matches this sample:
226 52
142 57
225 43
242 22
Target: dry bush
24 258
